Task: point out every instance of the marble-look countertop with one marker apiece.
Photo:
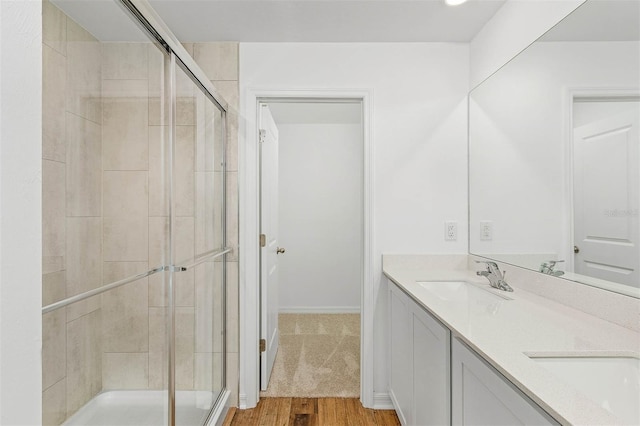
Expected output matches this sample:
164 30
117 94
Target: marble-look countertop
503 332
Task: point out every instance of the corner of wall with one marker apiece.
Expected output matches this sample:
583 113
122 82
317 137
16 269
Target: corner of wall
515 26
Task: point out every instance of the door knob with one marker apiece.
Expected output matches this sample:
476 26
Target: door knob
576 249
279 250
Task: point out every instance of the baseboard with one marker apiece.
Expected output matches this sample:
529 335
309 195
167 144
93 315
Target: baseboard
242 401
382 401
320 310
399 413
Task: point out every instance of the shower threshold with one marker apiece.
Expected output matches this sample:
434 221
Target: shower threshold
142 408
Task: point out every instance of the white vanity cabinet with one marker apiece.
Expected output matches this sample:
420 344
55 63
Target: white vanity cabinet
419 382
437 380
483 396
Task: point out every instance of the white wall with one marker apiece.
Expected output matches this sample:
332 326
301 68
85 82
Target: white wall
320 217
20 211
418 134
517 24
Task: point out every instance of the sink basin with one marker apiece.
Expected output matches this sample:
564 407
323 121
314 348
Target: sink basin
612 382
461 291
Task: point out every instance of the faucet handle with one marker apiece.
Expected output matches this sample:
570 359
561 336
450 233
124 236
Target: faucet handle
491 265
492 268
552 263
494 275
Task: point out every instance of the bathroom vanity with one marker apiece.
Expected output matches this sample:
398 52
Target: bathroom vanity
554 160
461 352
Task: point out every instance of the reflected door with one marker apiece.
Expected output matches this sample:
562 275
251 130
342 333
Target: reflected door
606 186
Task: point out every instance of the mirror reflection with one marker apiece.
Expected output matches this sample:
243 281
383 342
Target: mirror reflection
554 152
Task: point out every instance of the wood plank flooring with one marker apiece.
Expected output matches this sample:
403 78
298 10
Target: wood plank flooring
311 412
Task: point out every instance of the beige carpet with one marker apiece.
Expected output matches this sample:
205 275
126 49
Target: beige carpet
318 356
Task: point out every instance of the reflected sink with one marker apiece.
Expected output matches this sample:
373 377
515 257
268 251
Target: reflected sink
461 291
612 382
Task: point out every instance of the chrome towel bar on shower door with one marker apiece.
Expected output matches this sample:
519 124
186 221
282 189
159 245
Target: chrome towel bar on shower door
96 291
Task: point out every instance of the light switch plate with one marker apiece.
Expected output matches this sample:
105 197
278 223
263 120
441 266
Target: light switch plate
486 230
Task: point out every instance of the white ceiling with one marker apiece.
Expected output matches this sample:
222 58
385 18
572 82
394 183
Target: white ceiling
599 20
343 20
294 20
316 112
105 19
325 20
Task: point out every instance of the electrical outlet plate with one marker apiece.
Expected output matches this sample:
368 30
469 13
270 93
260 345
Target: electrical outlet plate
450 230
486 230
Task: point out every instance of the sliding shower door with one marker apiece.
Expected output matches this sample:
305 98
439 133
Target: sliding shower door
197 223
133 225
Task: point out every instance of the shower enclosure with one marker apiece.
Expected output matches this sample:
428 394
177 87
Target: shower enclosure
134 244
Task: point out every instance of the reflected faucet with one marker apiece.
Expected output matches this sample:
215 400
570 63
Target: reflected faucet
494 275
547 268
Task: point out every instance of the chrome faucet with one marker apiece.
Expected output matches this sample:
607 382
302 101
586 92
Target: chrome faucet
494 275
547 268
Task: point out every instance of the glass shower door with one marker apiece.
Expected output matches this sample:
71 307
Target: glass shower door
197 221
105 222
133 227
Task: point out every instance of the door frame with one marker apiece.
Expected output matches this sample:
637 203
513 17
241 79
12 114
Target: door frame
249 229
570 95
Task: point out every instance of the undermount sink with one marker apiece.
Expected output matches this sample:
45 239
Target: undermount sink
461 291
611 381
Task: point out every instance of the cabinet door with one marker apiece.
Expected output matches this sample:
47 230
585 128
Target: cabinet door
483 396
431 369
400 354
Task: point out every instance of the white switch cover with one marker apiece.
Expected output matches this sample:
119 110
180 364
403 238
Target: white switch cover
451 231
486 230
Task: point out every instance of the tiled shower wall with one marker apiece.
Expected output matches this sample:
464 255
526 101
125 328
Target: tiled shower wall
104 217
72 213
134 222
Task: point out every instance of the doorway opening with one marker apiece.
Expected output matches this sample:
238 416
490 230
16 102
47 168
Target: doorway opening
311 154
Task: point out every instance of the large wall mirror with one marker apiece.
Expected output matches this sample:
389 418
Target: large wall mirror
554 152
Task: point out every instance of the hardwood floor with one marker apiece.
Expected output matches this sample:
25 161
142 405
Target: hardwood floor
311 412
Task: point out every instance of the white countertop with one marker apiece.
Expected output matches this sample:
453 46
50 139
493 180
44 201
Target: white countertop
505 331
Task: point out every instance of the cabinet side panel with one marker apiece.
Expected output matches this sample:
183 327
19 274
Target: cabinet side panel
400 362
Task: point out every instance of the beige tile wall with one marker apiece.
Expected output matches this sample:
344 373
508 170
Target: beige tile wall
84 360
125 326
132 241
72 222
157 345
105 217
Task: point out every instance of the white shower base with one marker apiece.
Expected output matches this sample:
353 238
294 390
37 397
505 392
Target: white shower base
142 408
